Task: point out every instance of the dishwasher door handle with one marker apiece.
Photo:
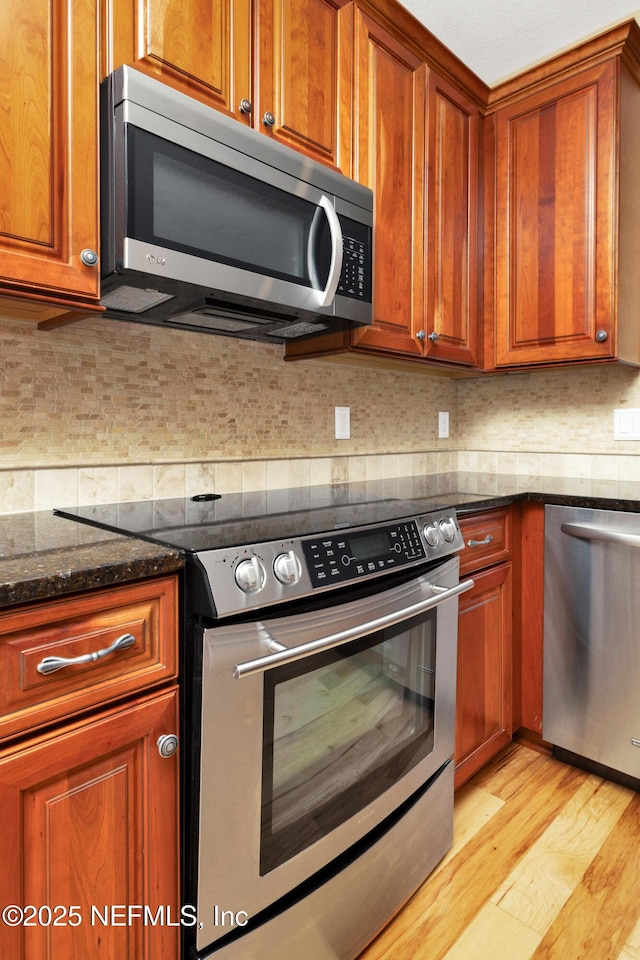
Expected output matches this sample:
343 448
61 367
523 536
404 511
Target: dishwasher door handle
289 655
583 531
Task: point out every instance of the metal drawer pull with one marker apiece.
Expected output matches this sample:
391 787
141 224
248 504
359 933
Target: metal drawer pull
261 664
481 543
51 664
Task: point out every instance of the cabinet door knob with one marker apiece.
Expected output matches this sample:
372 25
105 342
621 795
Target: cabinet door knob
421 335
89 257
167 745
246 106
268 119
601 336
433 336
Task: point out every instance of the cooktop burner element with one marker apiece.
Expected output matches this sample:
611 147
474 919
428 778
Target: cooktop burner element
253 550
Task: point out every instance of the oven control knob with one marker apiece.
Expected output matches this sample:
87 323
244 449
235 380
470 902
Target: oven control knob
250 575
448 528
432 534
286 568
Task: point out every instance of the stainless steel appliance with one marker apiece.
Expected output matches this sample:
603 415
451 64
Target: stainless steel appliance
591 709
210 226
318 695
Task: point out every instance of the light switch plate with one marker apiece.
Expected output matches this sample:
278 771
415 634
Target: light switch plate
343 423
443 425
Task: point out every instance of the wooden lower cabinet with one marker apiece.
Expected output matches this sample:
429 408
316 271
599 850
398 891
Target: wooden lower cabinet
90 831
483 706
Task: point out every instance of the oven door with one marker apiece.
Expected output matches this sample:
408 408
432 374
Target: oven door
316 728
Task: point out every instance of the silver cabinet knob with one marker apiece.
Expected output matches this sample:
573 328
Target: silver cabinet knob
245 106
268 119
421 335
167 745
89 258
601 336
433 336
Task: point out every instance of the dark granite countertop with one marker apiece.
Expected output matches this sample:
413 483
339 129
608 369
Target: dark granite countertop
43 556
483 491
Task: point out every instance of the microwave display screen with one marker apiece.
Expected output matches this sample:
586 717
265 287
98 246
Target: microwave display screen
184 201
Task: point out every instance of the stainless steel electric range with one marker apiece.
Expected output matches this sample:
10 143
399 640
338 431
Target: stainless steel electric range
318 676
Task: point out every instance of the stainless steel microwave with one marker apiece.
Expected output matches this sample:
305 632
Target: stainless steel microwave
208 225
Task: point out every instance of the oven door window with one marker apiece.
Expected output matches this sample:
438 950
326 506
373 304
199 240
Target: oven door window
340 728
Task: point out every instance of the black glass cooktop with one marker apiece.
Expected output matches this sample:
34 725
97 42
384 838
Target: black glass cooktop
210 521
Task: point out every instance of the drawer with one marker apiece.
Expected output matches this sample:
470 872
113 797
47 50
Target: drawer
486 539
145 613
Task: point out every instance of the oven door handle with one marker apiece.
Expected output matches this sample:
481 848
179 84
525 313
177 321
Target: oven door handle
262 664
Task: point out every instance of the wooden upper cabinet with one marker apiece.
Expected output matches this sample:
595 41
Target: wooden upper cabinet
451 319
272 64
303 80
202 47
389 138
48 151
567 205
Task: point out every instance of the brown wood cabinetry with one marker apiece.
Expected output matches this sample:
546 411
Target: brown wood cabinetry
90 805
567 208
77 627
451 318
48 158
273 64
484 689
415 143
389 101
90 826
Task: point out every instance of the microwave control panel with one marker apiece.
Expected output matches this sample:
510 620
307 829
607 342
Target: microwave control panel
355 278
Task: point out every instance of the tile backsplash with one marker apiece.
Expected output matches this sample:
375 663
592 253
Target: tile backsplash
101 411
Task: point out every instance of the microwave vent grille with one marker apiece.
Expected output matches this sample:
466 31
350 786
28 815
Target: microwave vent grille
133 299
297 330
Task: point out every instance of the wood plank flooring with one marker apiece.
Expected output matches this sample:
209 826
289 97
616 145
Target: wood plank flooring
545 865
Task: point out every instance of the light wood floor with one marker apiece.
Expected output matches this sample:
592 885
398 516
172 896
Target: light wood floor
545 864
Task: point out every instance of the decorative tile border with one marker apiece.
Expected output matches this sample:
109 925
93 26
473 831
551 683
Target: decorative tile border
42 489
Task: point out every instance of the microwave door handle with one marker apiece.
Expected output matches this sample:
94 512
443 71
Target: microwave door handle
290 655
335 269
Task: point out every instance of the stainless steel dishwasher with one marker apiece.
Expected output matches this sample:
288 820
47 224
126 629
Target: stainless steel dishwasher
591 704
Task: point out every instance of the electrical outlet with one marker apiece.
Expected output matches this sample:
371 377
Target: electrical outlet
443 425
626 424
343 423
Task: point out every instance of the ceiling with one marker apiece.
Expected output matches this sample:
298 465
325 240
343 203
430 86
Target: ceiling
497 38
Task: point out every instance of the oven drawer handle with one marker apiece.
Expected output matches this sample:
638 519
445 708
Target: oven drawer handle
53 664
261 664
585 532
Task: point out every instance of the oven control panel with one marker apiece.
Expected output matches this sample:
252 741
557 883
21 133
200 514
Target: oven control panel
251 577
338 558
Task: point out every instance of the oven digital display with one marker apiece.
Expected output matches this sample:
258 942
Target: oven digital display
369 546
335 559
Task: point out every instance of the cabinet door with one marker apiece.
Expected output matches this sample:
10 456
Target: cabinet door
389 137
90 822
48 149
483 707
452 207
555 220
303 80
202 47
